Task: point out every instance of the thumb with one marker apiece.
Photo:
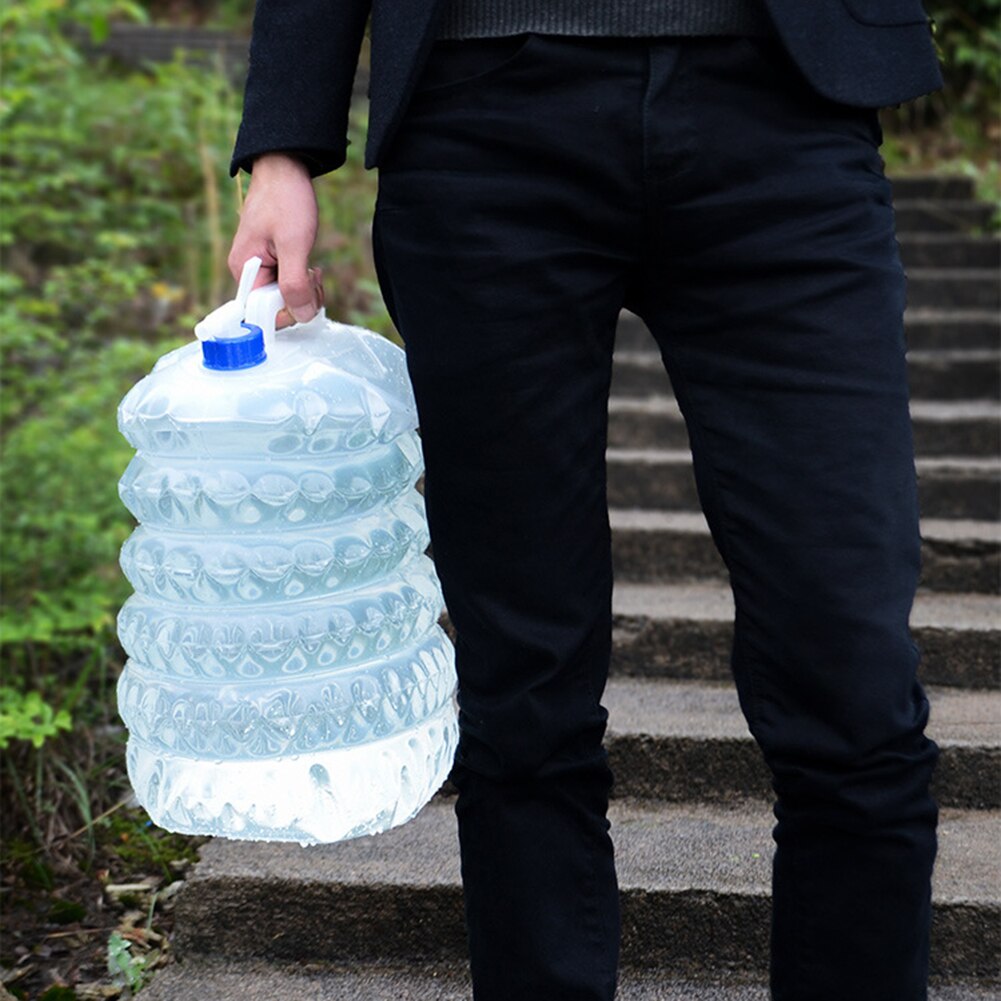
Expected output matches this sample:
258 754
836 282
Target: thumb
296 286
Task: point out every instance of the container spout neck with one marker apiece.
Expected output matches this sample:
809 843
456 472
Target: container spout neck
228 341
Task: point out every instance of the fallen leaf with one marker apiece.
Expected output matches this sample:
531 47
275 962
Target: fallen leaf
148 885
170 891
130 919
97 991
17 973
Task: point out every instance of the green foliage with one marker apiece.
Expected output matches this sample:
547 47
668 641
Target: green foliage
968 39
105 184
956 129
103 193
142 847
64 522
233 14
109 226
26 716
59 993
66 912
125 969
116 211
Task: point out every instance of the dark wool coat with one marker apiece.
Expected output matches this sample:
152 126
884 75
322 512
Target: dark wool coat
303 56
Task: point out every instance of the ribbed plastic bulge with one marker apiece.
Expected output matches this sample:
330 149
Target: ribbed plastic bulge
287 677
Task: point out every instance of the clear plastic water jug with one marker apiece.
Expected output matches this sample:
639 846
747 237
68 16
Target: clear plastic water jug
287 677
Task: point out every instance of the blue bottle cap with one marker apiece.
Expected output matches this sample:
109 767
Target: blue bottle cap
229 353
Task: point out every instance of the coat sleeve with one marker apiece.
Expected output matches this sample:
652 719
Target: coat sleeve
303 57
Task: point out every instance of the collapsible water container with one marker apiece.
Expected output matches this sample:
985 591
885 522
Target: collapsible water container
287 677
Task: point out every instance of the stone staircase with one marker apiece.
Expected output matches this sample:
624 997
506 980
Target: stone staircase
381 918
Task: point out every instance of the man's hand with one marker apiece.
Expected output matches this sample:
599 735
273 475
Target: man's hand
278 224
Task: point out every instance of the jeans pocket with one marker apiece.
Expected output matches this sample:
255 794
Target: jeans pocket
454 64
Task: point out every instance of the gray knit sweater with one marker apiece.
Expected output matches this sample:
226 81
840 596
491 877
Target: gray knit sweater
489 18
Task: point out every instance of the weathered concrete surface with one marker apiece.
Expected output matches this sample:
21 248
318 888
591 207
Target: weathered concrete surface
949 250
662 479
961 374
647 546
955 428
685 741
213 980
954 374
940 215
956 288
695 883
932 186
685 631
924 328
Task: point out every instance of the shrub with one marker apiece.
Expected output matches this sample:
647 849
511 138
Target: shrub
115 214
957 128
115 225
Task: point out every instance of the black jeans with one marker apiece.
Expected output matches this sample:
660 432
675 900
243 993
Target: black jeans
537 186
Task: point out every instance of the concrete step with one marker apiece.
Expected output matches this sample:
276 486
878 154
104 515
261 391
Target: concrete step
674 546
685 631
925 329
662 479
932 186
950 250
941 428
960 427
695 888
686 742
944 329
932 375
257 980
940 215
954 375
953 288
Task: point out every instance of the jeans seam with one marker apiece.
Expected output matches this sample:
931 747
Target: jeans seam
727 551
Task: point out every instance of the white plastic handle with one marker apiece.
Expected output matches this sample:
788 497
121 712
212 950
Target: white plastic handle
262 309
258 306
247 278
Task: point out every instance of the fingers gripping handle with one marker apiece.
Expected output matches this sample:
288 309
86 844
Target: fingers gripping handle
262 305
257 307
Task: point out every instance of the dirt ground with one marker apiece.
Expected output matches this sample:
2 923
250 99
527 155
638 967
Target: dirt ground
96 922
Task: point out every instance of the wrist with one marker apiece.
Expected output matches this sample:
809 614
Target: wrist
280 163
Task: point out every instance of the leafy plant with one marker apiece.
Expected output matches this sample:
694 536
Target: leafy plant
968 38
955 129
115 213
25 716
103 214
64 521
125 969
